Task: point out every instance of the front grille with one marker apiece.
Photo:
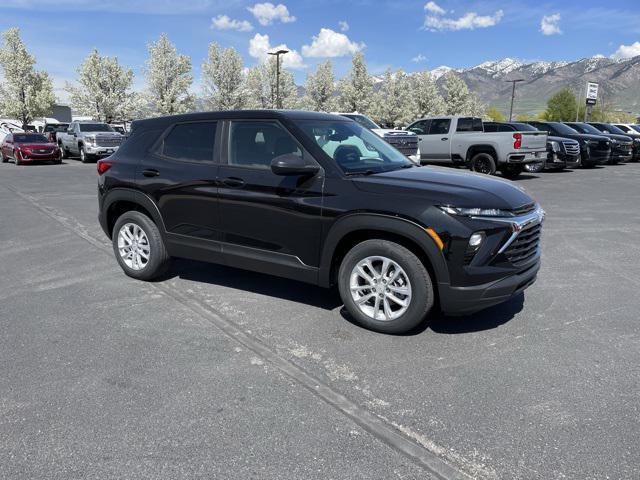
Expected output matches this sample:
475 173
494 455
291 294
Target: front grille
108 141
525 246
604 145
571 148
408 145
41 151
523 210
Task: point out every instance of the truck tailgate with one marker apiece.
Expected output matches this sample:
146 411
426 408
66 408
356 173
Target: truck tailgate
534 140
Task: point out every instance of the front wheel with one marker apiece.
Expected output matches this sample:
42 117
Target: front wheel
16 160
139 247
511 171
385 287
483 163
63 152
84 156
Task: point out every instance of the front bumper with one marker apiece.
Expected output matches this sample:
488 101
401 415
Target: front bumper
467 300
101 151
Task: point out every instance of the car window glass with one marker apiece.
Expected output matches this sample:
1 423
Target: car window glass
256 144
465 125
505 128
490 127
190 142
477 125
420 127
439 126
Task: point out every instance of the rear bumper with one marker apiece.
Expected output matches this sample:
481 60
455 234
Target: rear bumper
531 156
467 300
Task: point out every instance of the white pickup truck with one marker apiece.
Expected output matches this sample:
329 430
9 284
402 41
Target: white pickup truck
88 140
463 141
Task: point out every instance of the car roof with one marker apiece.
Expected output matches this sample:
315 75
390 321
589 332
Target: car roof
159 122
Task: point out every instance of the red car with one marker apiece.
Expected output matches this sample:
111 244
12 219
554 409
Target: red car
29 148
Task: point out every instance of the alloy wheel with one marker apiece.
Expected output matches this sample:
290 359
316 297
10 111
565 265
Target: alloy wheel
133 246
380 288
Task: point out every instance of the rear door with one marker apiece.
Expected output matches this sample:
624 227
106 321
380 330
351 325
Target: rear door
436 144
270 223
179 174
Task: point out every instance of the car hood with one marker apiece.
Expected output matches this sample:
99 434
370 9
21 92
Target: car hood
388 131
559 139
446 186
587 136
618 137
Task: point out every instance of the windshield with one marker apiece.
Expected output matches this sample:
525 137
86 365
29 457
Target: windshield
562 129
362 120
585 128
29 138
614 129
95 127
354 148
58 127
636 128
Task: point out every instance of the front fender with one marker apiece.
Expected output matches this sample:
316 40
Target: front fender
387 223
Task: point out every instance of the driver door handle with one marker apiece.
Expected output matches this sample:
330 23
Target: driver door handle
150 172
444 138
233 182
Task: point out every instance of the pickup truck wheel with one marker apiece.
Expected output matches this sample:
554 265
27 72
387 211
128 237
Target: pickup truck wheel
483 163
84 156
138 246
385 287
63 152
511 171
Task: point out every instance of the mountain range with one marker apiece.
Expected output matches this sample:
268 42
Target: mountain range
619 82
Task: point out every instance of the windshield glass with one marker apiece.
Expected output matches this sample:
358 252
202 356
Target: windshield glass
95 127
58 127
585 128
362 120
29 138
354 148
636 128
614 129
562 129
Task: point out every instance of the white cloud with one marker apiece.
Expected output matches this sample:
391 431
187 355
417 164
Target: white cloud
344 26
223 22
331 44
260 46
419 58
549 25
268 13
434 8
469 21
627 51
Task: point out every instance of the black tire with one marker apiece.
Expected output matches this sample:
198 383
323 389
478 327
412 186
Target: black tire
535 167
511 171
63 152
84 156
422 297
158 257
4 159
16 160
483 163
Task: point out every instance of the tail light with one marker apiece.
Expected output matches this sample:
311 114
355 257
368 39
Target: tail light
517 141
103 166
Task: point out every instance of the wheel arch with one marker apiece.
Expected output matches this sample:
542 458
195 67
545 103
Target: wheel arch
121 200
483 148
353 229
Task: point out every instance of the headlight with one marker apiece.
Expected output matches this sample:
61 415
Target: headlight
476 212
90 141
636 140
555 146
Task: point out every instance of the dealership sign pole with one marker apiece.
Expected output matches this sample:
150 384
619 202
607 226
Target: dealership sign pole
592 97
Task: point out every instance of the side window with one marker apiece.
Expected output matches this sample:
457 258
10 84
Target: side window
191 142
439 126
421 127
490 127
256 143
505 128
465 125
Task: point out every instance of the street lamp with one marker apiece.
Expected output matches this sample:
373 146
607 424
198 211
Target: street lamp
513 94
277 55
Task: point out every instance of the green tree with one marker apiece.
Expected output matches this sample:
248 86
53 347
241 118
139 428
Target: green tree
356 89
561 107
494 114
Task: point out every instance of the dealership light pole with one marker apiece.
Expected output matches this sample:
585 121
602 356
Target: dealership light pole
513 94
277 55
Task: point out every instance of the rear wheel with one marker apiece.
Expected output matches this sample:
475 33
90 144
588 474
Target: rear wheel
511 171
138 246
483 163
385 287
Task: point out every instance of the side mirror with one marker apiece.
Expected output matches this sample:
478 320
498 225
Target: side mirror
290 164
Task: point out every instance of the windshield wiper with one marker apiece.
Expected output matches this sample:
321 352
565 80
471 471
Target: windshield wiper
360 172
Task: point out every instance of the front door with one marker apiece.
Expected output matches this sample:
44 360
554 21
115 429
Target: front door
436 144
270 222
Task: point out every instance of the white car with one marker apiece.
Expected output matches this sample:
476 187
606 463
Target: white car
406 142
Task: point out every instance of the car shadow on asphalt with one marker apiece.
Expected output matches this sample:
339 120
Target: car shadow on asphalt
254 282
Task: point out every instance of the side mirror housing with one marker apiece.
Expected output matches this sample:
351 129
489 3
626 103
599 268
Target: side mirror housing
290 164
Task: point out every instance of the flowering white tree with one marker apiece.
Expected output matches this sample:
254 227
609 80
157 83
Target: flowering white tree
222 79
356 90
260 87
320 89
27 93
456 94
256 89
394 103
427 99
169 78
104 89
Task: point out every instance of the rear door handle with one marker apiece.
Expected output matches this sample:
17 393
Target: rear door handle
444 138
233 182
150 172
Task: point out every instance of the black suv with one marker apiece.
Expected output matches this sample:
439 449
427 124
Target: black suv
321 199
634 136
594 149
561 152
621 145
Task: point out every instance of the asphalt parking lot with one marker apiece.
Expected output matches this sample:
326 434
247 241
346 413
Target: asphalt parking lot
221 373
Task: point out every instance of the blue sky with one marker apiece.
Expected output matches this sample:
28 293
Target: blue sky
413 35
